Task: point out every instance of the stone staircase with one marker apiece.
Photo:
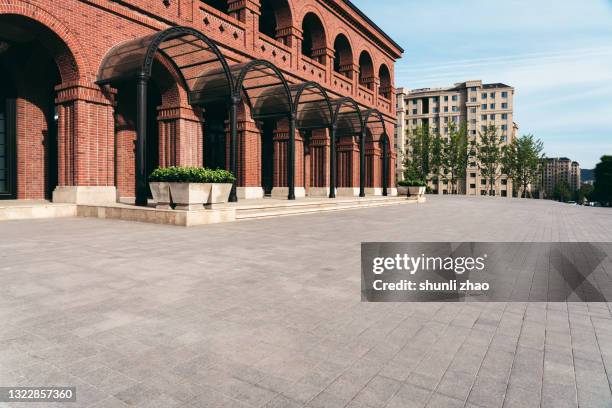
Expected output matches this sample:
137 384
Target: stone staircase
274 208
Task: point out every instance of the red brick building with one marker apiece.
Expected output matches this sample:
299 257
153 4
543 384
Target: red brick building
67 134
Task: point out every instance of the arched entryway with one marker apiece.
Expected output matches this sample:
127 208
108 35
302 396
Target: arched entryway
33 62
343 56
274 16
366 70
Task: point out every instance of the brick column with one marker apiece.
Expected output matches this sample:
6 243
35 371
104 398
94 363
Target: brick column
86 140
248 12
180 137
319 163
373 155
348 166
248 177
325 56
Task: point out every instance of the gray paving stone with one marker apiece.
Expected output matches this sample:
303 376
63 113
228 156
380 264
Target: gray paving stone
269 312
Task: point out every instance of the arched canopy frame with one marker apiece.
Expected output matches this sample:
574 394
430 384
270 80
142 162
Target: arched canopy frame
203 68
312 106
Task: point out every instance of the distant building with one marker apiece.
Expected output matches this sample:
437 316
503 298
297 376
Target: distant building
557 170
478 105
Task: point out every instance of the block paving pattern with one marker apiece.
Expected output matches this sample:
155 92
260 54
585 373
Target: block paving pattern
267 313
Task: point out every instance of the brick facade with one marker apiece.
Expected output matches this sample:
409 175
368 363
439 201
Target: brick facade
92 130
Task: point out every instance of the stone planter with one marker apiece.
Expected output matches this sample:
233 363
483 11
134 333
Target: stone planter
416 191
402 190
190 196
219 193
161 194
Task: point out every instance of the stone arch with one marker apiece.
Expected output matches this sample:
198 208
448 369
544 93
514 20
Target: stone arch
343 55
384 76
72 62
314 37
366 69
275 15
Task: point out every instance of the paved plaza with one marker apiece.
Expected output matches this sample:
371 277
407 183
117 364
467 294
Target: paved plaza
267 313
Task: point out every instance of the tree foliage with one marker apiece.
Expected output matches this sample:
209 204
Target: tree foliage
521 161
489 154
603 181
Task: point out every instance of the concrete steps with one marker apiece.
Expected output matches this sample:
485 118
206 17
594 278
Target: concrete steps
275 209
24 210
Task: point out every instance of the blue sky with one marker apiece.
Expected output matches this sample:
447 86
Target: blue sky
557 54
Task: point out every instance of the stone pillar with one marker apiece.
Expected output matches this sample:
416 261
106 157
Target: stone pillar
319 163
180 137
374 158
348 167
86 140
248 177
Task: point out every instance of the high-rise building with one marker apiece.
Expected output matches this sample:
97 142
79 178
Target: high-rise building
478 105
557 170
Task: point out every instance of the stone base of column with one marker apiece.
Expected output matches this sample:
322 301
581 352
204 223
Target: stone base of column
283 192
318 192
347 192
392 191
247 193
85 194
373 191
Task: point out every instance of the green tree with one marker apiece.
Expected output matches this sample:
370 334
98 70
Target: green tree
436 157
489 154
521 161
418 156
455 155
562 192
584 193
603 181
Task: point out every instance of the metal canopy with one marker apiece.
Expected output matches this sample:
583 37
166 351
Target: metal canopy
374 122
263 88
347 117
203 68
313 109
208 78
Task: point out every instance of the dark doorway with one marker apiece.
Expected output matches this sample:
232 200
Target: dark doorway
267 155
214 136
8 155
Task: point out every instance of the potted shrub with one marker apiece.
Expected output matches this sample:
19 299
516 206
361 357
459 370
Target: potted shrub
416 187
191 187
220 186
160 189
402 188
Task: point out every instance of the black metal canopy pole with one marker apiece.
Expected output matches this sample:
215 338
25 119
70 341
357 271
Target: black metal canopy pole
291 158
141 141
362 162
234 145
332 162
385 166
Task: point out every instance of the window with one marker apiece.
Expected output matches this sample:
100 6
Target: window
445 182
504 182
414 101
473 132
454 98
492 106
504 127
446 109
504 94
504 105
504 193
483 106
483 128
484 95
483 117
414 111
435 99
472 110
473 89
473 175
504 138
446 98
473 121
436 110
492 116
455 109
492 94
472 185
446 119
483 182
456 119
445 130
414 121
472 99
483 192
504 116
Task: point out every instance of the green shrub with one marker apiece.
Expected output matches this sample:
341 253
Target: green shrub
191 175
412 183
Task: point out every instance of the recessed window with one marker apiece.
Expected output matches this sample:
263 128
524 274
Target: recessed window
414 111
492 95
454 97
492 116
504 116
484 95
446 98
504 94
472 99
483 117
472 185
504 105
473 175
492 106
483 106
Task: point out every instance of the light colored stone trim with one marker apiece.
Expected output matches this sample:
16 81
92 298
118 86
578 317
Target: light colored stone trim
91 195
